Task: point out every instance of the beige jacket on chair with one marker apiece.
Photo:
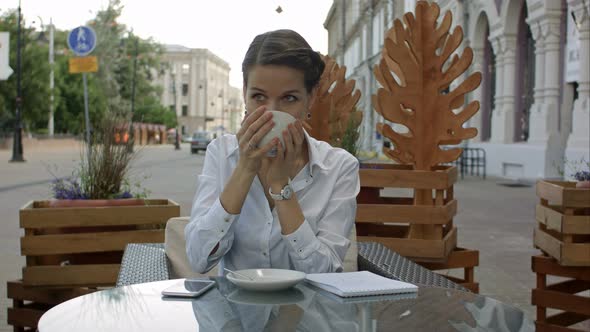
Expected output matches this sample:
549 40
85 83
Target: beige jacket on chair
176 251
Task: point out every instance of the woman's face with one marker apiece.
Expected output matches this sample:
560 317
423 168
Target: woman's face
279 88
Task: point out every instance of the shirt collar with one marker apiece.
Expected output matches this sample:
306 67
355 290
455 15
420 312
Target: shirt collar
315 158
312 144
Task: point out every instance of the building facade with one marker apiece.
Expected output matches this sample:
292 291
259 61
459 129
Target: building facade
235 110
535 63
195 84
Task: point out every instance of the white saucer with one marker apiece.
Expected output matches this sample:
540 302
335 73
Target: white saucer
266 279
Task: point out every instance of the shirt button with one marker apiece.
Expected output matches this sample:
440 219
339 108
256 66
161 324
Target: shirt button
226 219
264 253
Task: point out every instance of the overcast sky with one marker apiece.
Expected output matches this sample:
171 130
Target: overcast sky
226 27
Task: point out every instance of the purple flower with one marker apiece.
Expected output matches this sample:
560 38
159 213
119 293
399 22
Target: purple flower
124 194
67 188
582 176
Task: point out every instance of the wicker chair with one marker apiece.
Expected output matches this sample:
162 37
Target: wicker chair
146 262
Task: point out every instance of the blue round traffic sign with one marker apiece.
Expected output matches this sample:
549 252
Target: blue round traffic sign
82 40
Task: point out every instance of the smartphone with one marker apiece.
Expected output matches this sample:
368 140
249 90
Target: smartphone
189 288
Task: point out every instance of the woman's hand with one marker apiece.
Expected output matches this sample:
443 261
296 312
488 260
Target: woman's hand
254 128
289 158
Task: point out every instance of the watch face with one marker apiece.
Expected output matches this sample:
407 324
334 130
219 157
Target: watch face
287 191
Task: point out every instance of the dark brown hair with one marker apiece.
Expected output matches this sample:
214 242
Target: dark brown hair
286 48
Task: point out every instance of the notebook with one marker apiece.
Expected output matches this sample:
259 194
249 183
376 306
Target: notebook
362 283
363 298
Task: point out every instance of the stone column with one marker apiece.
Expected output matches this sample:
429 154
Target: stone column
497 112
539 89
178 89
166 88
579 138
477 65
508 82
193 87
503 121
544 123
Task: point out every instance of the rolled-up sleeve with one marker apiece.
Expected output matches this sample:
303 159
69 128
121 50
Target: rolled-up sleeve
324 250
210 224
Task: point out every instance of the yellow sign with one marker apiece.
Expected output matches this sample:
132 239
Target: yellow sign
87 64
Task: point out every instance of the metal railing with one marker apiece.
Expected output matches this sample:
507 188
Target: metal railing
472 162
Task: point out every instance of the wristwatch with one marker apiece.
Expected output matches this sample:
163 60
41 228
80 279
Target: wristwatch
285 194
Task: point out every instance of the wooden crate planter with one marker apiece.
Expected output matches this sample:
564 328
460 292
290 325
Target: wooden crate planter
460 258
563 217
562 295
84 246
30 303
387 220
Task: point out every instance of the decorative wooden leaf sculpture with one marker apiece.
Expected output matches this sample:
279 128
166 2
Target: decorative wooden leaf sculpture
415 97
334 105
415 74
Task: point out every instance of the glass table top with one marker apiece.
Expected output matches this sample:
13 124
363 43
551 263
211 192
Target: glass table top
302 308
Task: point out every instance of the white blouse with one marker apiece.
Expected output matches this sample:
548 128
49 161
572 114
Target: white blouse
326 189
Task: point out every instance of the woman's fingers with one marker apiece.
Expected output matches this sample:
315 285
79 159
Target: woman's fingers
288 139
300 131
296 133
266 148
260 133
280 152
249 119
262 121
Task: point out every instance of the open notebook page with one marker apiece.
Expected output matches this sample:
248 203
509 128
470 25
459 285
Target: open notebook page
360 283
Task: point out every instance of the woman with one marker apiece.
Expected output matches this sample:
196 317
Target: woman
293 211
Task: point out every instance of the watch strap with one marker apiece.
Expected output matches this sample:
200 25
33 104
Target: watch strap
281 196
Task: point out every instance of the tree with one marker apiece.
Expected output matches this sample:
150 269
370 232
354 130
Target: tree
117 50
109 34
35 77
108 89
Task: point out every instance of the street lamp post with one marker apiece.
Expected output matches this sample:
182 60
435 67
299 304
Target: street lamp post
17 144
177 139
205 104
133 83
42 38
51 123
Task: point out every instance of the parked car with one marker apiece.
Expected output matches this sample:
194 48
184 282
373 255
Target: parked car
199 141
186 138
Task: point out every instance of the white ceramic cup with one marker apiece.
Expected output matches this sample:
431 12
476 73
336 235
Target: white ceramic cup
281 120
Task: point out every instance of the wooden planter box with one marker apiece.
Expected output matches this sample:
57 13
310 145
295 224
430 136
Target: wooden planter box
460 258
387 220
566 295
30 303
563 217
83 246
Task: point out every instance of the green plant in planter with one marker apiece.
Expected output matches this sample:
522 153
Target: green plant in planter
349 141
579 170
104 167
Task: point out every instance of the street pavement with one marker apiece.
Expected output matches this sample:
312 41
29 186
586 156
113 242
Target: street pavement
496 220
